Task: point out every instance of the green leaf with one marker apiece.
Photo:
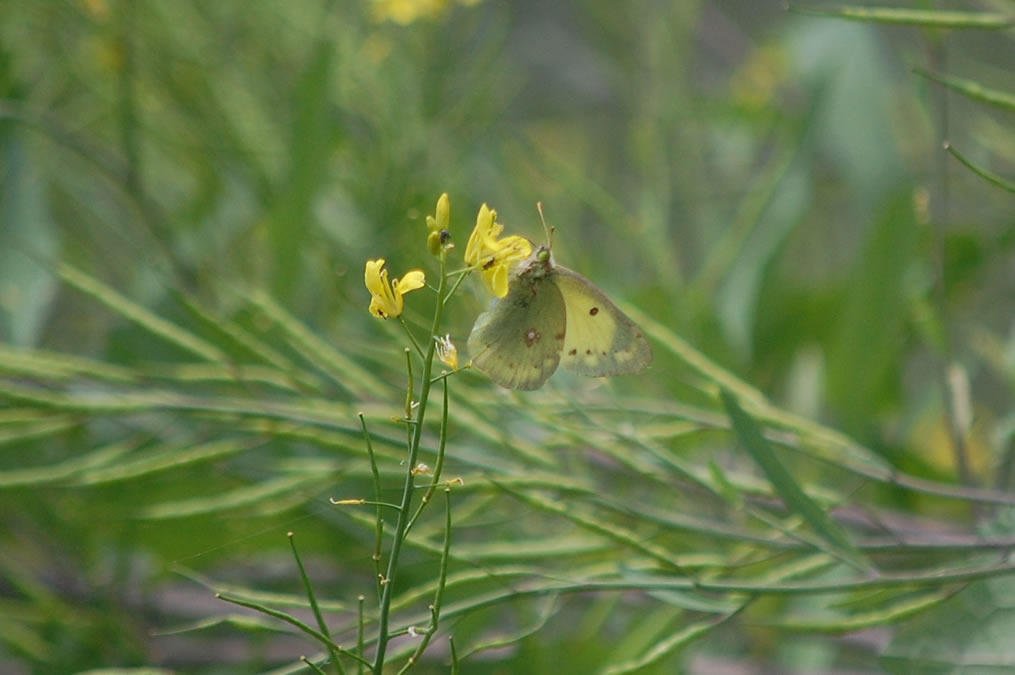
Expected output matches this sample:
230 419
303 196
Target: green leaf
973 90
140 315
787 487
248 496
927 18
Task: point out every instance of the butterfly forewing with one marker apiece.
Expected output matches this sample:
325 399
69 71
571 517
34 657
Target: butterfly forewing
518 341
601 340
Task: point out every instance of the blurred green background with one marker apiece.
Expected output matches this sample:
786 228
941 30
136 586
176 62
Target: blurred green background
189 191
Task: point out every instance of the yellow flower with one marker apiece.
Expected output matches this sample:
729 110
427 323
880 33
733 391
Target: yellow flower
494 256
387 297
409 11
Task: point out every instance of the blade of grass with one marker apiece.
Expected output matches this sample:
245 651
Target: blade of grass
234 499
893 613
834 536
926 18
973 90
63 471
140 315
344 371
164 459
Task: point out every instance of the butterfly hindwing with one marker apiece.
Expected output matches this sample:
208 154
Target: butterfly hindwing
518 341
601 340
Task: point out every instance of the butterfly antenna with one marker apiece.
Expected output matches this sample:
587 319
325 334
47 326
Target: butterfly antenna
549 230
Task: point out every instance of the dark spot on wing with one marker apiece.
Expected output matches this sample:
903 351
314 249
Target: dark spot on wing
572 352
593 311
588 351
532 336
559 336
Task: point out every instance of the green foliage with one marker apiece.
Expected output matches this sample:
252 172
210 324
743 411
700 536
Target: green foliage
822 450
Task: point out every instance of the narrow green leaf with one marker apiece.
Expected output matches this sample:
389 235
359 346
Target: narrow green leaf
892 613
247 622
63 471
343 370
146 670
665 647
233 499
786 486
532 548
621 535
163 459
927 18
973 90
32 430
979 171
243 341
53 366
726 488
549 608
140 315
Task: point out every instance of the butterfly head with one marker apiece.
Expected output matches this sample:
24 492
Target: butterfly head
539 263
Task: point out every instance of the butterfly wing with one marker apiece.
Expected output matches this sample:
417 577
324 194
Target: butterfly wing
601 340
517 342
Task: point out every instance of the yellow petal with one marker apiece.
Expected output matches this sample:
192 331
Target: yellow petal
498 280
513 248
410 282
443 211
383 302
372 276
375 308
480 235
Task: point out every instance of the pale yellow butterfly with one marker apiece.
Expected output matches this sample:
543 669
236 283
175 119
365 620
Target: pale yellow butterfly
551 316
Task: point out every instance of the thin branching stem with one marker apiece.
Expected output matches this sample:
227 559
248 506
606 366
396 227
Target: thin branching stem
416 433
314 606
438 466
412 338
293 621
360 634
379 523
435 608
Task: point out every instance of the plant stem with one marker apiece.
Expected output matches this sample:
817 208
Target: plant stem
404 511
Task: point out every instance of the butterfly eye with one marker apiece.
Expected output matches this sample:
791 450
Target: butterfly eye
543 254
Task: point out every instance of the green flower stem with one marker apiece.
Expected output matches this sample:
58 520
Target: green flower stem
439 466
379 522
410 393
458 282
412 338
435 608
312 666
291 620
359 634
321 625
416 433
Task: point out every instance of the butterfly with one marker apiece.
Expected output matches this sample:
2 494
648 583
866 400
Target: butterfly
551 316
